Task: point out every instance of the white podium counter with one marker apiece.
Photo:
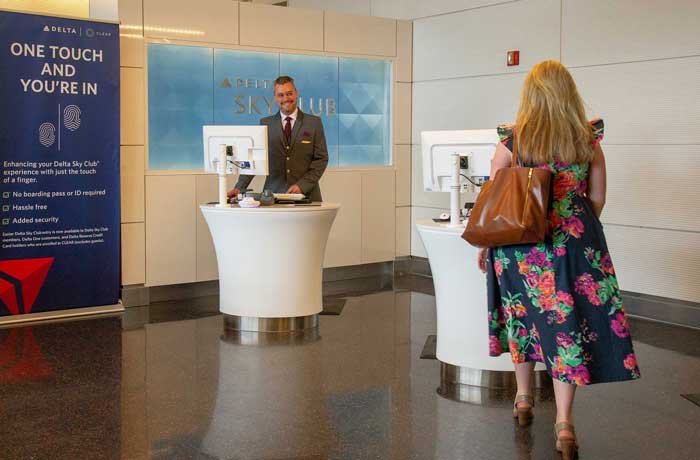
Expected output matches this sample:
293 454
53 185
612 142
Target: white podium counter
461 304
460 298
270 262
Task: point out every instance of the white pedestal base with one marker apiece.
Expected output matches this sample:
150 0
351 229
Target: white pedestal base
270 258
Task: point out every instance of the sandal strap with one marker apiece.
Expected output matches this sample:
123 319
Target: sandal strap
563 426
524 398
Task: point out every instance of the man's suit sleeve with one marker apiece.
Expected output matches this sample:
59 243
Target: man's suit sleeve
318 163
245 180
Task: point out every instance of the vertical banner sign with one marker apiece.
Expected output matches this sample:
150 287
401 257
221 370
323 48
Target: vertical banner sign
59 170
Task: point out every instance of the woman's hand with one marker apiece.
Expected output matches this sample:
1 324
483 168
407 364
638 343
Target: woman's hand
481 259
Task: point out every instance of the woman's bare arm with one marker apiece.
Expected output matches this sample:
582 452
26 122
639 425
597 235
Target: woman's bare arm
597 181
501 159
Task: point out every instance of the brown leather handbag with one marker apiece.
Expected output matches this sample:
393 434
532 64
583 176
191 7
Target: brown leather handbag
511 207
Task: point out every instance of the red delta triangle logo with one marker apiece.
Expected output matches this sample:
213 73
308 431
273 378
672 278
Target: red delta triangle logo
20 282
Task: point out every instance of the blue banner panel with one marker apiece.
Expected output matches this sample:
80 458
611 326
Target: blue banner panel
180 92
59 150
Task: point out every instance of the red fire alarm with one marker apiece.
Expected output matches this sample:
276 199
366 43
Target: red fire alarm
513 58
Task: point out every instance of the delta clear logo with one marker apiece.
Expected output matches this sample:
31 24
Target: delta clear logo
20 283
89 31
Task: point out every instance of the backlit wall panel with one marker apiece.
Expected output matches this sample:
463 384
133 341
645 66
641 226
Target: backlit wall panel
179 104
193 86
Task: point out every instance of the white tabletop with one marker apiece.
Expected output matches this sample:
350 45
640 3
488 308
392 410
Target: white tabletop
274 208
431 225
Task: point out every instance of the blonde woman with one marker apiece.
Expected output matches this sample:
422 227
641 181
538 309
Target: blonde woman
558 302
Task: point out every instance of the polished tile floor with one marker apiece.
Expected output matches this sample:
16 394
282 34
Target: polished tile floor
166 382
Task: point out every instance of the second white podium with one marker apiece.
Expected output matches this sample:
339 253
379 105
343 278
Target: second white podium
461 304
270 262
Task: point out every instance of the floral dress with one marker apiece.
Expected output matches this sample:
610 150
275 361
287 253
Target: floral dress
558 302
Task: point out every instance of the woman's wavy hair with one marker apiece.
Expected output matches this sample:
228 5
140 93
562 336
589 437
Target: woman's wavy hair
551 122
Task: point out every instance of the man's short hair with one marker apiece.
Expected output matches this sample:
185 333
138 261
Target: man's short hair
283 80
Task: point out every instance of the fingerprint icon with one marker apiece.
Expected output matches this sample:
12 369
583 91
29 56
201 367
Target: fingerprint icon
71 117
47 134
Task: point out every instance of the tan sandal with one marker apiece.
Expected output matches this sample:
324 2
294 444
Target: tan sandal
567 446
523 414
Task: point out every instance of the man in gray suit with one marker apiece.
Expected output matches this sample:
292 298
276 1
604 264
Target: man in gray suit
296 147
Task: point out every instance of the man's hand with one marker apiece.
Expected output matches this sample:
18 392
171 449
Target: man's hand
233 193
294 189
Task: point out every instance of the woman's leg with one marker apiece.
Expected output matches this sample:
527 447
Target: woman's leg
523 405
523 376
564 395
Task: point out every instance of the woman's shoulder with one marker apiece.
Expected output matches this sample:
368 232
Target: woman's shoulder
505 134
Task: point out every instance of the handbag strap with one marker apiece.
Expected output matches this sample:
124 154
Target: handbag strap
514 158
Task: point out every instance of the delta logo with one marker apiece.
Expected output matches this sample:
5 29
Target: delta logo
61 30
20 283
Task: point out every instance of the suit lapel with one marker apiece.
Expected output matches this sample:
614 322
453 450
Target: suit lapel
277 132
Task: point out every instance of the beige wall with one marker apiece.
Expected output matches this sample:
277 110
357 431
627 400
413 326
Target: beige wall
104 10
73 8
398 9
165 238
636 65
133 135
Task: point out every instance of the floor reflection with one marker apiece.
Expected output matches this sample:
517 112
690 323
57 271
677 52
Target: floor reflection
356 389
323 393
60 390
169 382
